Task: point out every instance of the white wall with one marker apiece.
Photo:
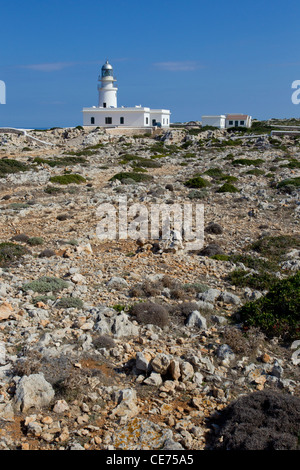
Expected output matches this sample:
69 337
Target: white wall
133 117
215 121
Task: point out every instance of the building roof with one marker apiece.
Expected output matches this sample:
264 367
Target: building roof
237 116
106 66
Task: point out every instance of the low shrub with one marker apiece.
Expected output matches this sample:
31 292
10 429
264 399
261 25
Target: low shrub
214 228
69 302
34 241
228 188
211 250
20 237
68 179
289 184
247 161
47 253
274 247
64 161
9 165
196 182
136 177
263 420
278 312
46 284
259 281
103 341
150 313
10 252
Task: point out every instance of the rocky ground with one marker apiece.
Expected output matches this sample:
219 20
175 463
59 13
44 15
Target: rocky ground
82 366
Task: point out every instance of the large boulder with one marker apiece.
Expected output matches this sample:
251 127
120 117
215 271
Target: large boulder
32 391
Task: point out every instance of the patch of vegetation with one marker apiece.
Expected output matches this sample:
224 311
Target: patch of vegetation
214 228
258 281
34 241
136 177
46 284
10 165
221 257
264 420
228 188
64 161
67 179
69 302
20 237
194 194
10 252
147 163
150 313
293 164
255 172
241 341
103 341
17 206
155 288
247 161
196 182
53 190
278 312
289 184
274 247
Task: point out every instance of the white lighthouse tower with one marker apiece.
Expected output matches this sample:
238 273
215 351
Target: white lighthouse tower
106 88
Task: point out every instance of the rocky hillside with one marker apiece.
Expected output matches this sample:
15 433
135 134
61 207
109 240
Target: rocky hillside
142 343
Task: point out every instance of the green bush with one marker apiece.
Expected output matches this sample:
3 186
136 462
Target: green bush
46 284
137 177
196 182
64 161
69 302
247 161
8 166
259 281
275 247
10 252
290 182
34 241
278 312
228 188
67 179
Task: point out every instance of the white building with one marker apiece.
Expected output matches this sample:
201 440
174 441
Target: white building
227 121
238 120
107 113
215 121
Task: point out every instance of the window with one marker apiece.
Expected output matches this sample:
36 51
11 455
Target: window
242 123
154 122
104 105
108 120
121 120
231 123
92 120
147 120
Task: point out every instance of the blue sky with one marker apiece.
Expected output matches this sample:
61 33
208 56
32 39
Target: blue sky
193 57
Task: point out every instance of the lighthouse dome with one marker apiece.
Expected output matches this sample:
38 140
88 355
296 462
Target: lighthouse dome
107 70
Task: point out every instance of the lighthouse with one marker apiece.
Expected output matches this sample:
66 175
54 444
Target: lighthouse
107 90
108 114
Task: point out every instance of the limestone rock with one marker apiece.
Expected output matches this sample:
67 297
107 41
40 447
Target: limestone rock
33 391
